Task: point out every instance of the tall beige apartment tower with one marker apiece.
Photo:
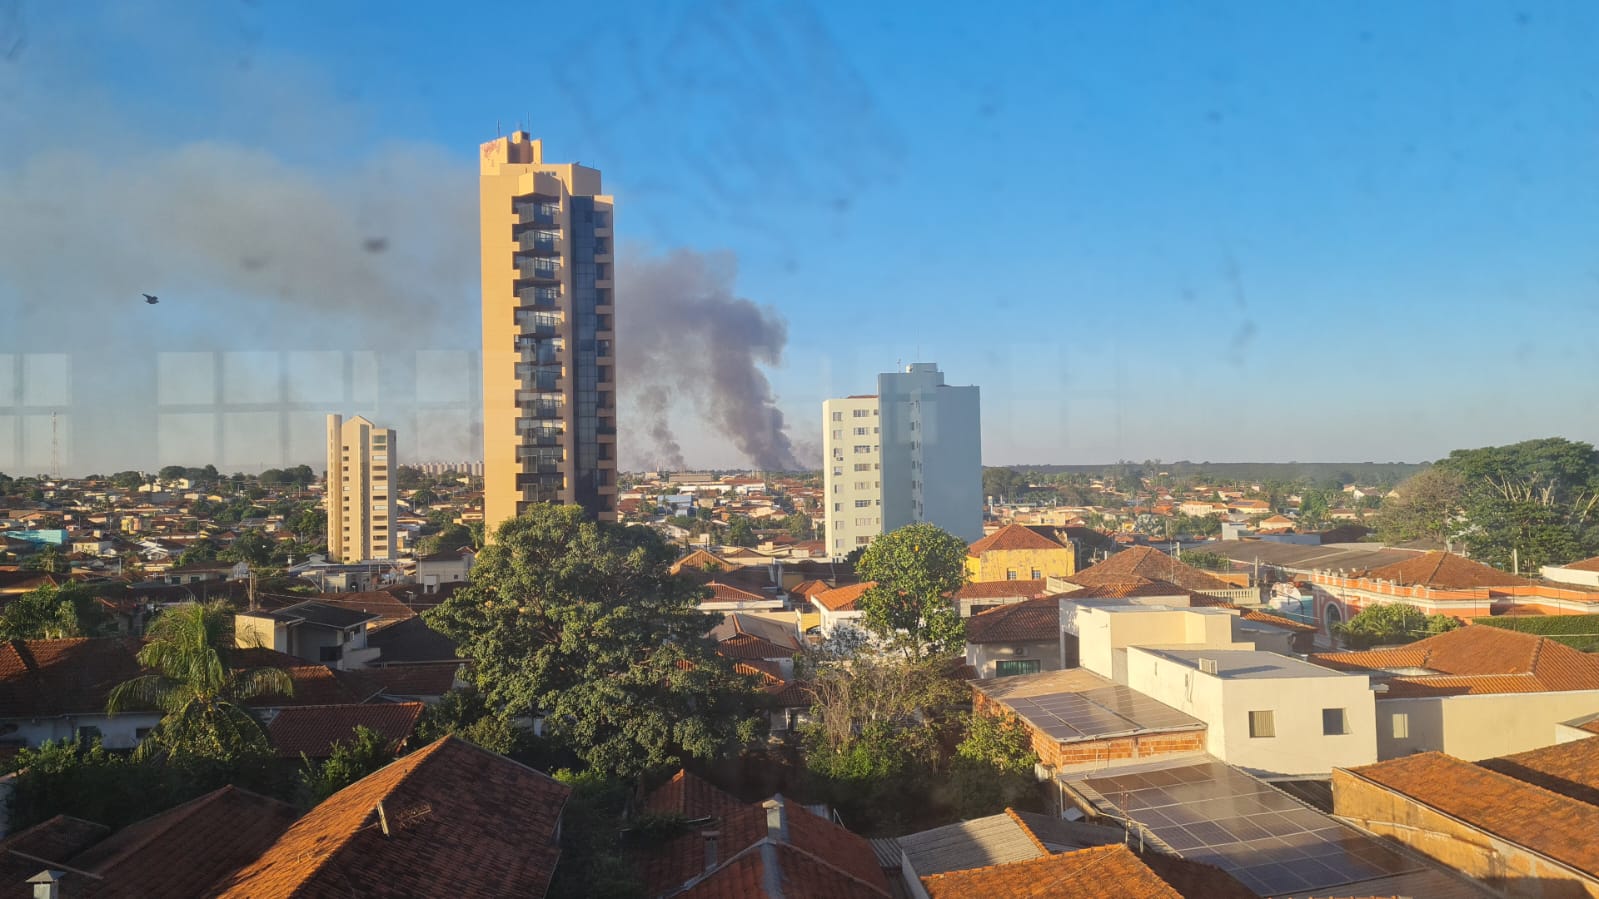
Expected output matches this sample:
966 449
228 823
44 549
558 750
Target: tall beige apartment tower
360 495
549 339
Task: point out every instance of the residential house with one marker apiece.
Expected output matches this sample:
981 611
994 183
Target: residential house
1147 563
1023 638
980 596
840 607
1583 574
206 571
1001 839
313 731
312 630
1017 552
745 636
450 819
443 567
1104 872
1443 583
1473 692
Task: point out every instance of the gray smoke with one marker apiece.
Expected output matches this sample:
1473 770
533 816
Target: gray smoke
653 404
684 335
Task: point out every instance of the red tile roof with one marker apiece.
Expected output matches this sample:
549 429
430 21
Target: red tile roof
1570 769
1012 537
691 796
1584 565
423 680
56 839
1104 872
447 820
721 592
381 603
1132 586
1150 564
1001 589
213 835
1445 571
1033 621
312 730
1473 660
843 599
1548 823
810 588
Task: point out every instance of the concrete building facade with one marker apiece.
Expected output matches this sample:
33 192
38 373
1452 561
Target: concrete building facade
923 441
360 490
549 338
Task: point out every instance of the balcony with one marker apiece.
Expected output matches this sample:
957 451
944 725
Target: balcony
539 297
543 437
533 323
533 268
534 413
539 243
547 214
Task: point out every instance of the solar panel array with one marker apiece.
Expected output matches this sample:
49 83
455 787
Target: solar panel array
1100 712
1212 813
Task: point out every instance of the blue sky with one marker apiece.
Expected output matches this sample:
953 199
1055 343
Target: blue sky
1229 231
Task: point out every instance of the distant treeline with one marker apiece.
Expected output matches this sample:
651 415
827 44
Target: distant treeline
1366 473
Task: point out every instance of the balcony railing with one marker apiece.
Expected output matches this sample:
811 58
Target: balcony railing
540 412
538 324
534 268
539 297
539 213
542 437
539 242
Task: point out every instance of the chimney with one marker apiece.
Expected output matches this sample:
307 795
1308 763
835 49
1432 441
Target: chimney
47 884
710 837
776 818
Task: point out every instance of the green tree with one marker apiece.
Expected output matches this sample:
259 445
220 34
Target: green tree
1426 507
49 612
252 547
740 532
1196 525
1529 504
1313 509
199 552
128 480
1390 623
916 569
48 559
451 538
350 760
1006 482
203 720
798 525
993 766
173 472
423 498
581 622
1207 560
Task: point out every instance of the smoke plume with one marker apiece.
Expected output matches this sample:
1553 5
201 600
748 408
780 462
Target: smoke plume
684 335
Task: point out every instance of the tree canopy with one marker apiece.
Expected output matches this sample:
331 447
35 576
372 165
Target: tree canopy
917 568
581 623
50 612
1528 504
1426 507
1390 623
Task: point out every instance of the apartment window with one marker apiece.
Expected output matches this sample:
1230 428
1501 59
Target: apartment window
862 466
838 416
863 449
1017 666
863 504
838 433
862 541
838 507
1010 574
1334 722
838 470
862 413
1262 724
860 432
1401 725
1037 575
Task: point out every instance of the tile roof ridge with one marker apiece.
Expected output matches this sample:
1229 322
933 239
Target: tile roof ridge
1037 843
172 817
1109 848
1500 775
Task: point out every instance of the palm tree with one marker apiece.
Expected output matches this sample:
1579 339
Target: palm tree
199 696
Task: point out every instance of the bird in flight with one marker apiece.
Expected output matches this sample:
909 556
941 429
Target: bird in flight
152 300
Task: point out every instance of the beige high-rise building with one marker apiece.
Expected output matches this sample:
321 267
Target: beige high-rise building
549 340
360 494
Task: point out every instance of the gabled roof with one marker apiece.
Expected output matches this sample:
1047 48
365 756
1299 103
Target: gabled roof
1105 872
1033 621
1584 565
702 560
1133 586
721 592
55 677
843 599
411 640
312 730
56 839
1473 660
213 836
774 841
990 840
385 605
1149 564
740 636
1570 769
1012 537
1445 571
320 614
1548 823
691 796
448 819
1001 589
409 681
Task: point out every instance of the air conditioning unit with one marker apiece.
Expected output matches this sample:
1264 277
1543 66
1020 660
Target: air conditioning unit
1207 666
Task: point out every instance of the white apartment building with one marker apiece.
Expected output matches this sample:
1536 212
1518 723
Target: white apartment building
361 491
911 453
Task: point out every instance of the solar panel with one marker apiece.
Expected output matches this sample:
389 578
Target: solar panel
1100 712
1210 812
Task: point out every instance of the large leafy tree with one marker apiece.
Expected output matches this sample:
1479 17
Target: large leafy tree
363 753
582 623
1390 623
1529 504
51 612
200 696
1425 507
917 568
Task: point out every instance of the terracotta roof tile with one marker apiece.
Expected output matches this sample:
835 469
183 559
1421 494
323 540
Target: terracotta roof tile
1584 565
1001 589
1476 659
843 599
1445 571
810 588
691 796
57 839
1131 586
312 730
1531 816
460 821
1570 769
1151 564
1033 621
232 825
399 681
1105 872
1012 536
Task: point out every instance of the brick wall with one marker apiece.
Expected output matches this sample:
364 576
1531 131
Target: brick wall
1054 754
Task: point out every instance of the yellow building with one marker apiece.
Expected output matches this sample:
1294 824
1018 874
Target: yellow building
359 496
1015 552
549 369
